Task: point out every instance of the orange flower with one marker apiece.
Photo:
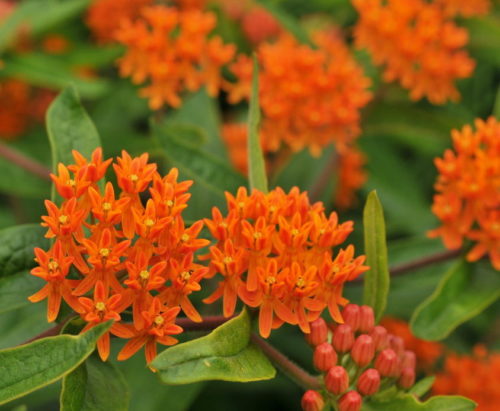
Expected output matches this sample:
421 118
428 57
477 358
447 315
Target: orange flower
351 176
55 44
259 25
308 97
468 186
466 8
235 137
417 44
475 377
170 49
274 251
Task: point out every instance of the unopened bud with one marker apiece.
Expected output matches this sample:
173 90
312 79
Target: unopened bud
350 402
337 380
351 315
319 332
324 357
387 363
369 382
397 344
407 378
409 360
312 401
343 338
366 319
363 350
379 335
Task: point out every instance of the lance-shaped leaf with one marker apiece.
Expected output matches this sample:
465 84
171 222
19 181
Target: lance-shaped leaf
377 279
94 385
256 165
224 354
464 291
408 402
423 386
28 367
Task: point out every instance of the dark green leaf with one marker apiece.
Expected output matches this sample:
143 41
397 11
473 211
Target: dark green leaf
376 282
423 386
408 402
256 165
464 291
485 37
224 354
29 367
94 386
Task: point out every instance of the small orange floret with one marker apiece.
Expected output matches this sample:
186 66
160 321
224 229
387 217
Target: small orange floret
466 8
171 50
467 201
418 44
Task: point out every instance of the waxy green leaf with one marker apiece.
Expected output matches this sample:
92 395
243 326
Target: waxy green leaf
94 386
408 402
423 386
377 279
224 354
256 165
464 291
28 367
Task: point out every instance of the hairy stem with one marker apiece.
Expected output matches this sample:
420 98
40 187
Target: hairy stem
27 163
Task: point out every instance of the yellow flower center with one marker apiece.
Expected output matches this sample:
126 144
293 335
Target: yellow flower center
227 260
300 282
170 203
144 274
149 222
63 219
271 280
257 235
71 183
185 275
104 252
134 178
241 204
106 206
184 237
100 306
53 265
295 232
159 320
223 224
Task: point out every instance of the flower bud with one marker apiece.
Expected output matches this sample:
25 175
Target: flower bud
366 319
387 363
409 360
369 382
343 338
350 401
379 335
319 332
351 316
337 380
397 344
312 401
324 357
363 350
407 378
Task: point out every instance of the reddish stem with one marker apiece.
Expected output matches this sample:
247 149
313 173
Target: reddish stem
27 163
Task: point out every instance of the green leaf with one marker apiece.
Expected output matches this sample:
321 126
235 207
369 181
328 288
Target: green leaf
256 165
225 354
464 291
377 279
496 108
408 402
206 169
94 386
29 367
423 386
70 128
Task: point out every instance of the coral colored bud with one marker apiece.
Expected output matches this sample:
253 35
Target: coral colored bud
350 402
319 332
324 357
407 378
387 363
312 401
397 344
343 338
363 350
379 335
351 315
409 360
337 380
366 319
369 382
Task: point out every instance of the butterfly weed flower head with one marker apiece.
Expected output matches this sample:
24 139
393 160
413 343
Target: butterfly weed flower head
467 201
465 8
170 50
274 251
116 256
418 45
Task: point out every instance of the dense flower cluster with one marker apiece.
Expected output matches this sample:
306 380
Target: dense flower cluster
171 51
417 43
308 97
475 377
112 252
350 176
468 191
427 352
274 252
354 357
466 8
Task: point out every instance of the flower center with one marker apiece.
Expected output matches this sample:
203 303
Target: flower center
63 219
53 265
159 320
100 306
300 282
106 206
257 235
149 222
185 275
144 274
170 203
227 260
184 237
295 232
104 252
71 183
271 280
134 178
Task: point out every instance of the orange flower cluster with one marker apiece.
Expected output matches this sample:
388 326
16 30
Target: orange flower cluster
351 176
104 17
468 186
170 49
235 137
475 377
308 97
274 251
466 8
427 352
121 251
418 44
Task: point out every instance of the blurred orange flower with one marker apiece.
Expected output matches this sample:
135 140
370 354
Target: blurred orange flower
466 8
350 176
235 137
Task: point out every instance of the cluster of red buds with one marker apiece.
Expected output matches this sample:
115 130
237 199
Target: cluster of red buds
356 359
